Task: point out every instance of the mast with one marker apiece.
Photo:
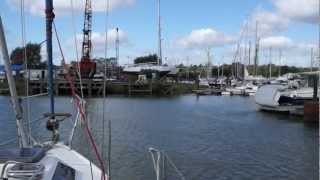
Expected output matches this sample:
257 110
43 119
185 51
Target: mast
159 35
319 38
209 64
188 68
239 62
249 55
256 56
311 60
49 20
117 45
270 62
280 61
12 86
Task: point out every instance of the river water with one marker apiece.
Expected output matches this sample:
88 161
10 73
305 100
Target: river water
207 138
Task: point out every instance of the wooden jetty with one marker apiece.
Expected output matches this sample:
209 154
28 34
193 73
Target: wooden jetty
94 88
210 91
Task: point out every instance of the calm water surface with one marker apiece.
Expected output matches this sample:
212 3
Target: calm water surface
208 138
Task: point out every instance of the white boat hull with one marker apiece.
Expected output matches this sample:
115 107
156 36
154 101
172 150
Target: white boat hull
82 168
283 109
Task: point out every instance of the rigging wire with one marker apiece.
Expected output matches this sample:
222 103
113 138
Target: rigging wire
175 167
25 60
76 46
238 49
78 102
59 44
156 156
105 81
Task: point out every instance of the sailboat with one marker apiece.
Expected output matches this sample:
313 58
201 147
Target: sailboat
54 159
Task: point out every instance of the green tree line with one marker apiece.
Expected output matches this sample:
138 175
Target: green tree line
32 52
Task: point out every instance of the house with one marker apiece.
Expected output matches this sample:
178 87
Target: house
36 74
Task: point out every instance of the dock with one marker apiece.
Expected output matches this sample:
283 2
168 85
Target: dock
94 88
209 91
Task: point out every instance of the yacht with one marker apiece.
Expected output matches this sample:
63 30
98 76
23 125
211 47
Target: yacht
52 160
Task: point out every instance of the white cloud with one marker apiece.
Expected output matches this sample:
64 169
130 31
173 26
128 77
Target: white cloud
300 10
286 43
278 42
285 11
204 38
268 22
37 7
98 41
98 38
293 52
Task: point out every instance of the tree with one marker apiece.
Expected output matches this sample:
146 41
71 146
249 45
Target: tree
32 53
152 58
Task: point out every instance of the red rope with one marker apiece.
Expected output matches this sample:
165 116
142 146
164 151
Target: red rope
84 120
81 110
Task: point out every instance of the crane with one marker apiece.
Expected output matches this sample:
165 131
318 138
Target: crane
86 65
87 25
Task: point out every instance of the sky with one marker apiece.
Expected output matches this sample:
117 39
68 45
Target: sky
189 29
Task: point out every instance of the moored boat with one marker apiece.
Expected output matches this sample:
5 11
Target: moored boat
279 98
54 159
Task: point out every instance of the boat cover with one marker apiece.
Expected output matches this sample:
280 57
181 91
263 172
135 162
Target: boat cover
269 95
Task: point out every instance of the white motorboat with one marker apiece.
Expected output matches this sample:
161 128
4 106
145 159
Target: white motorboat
204 83
251 89
248 89
225 93
279 98
239 90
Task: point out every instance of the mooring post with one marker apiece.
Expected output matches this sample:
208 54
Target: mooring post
56 87
129 88
151 88
89 88
315 87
